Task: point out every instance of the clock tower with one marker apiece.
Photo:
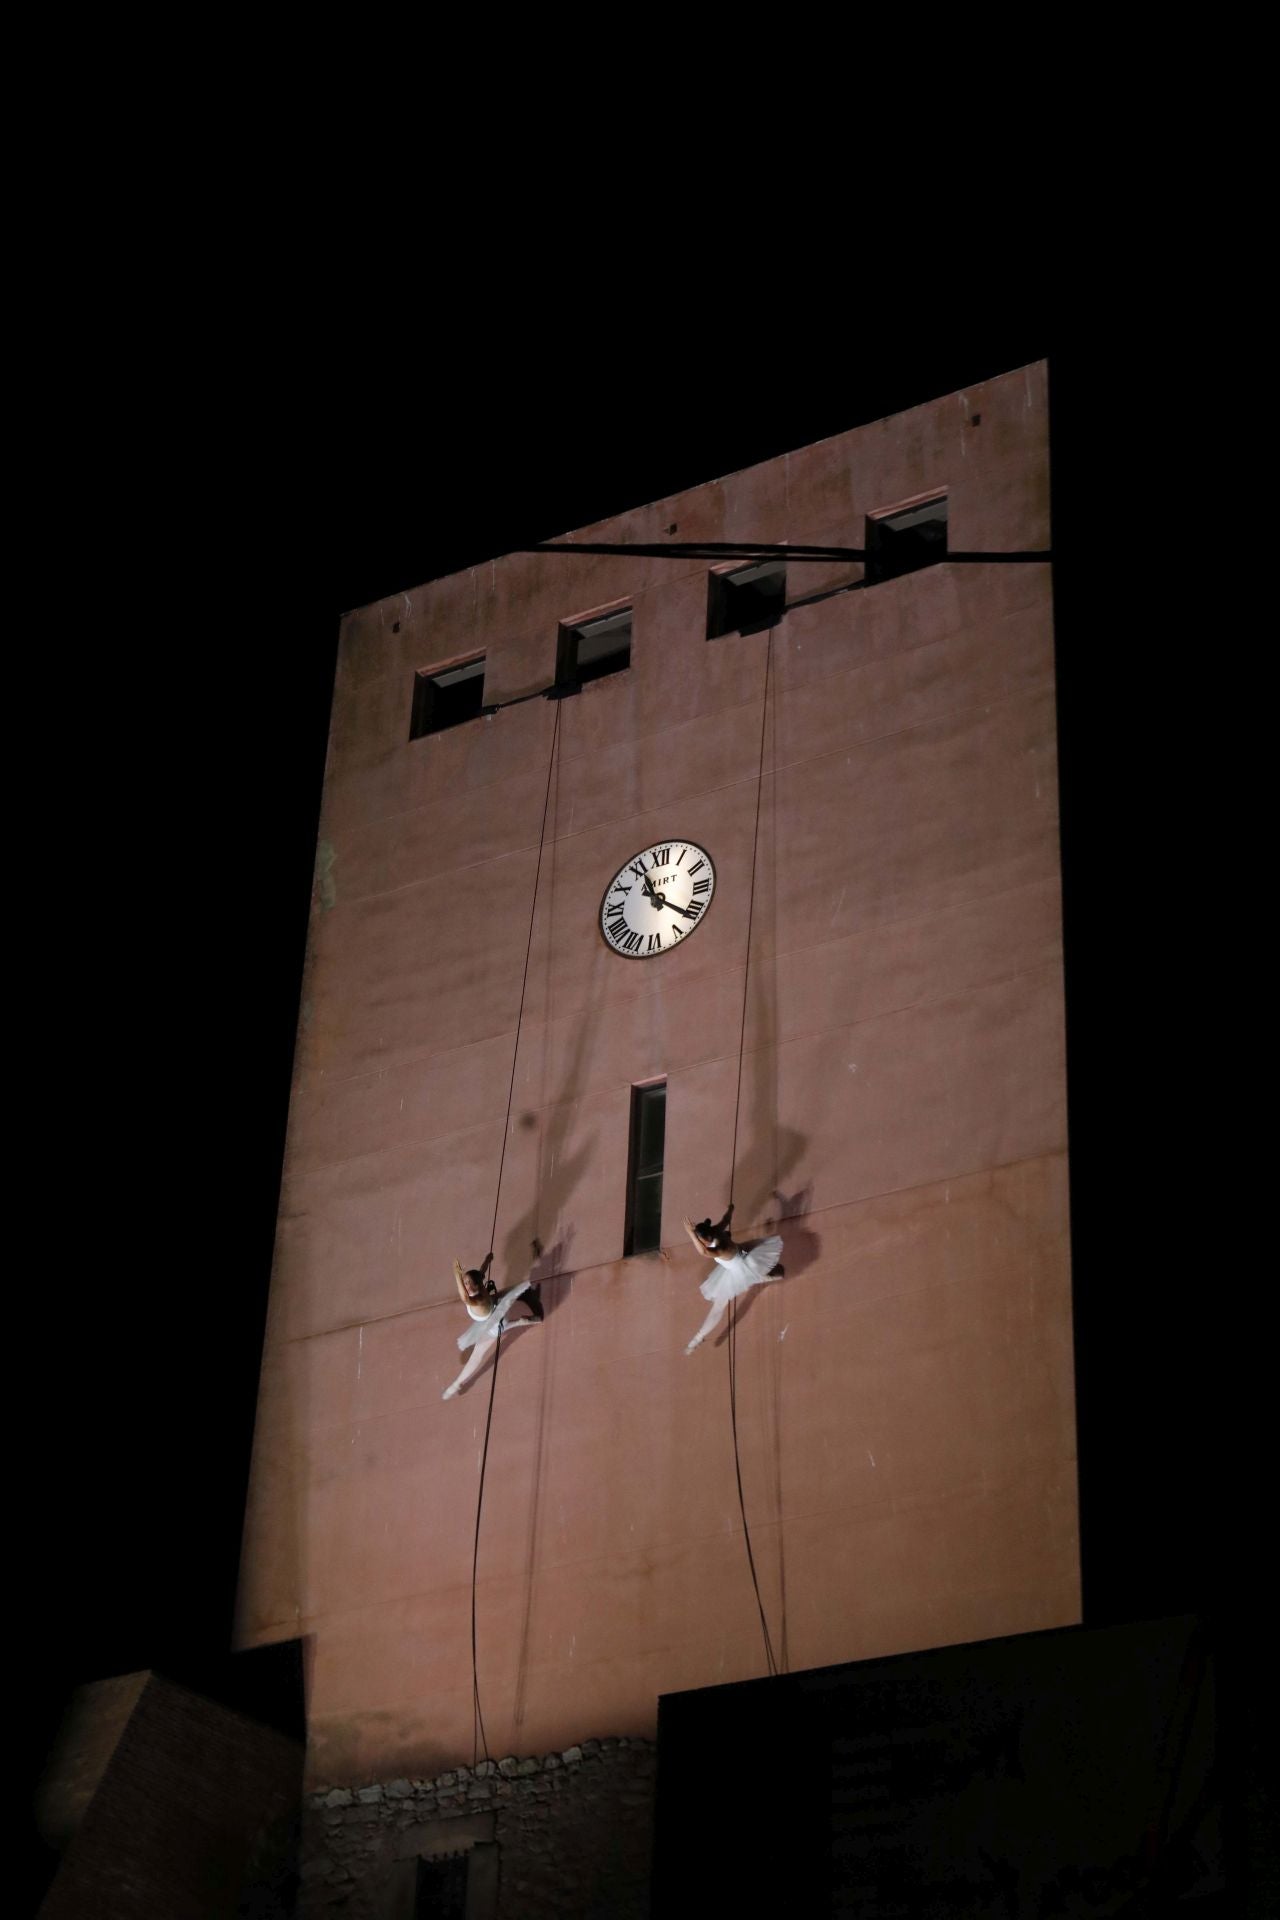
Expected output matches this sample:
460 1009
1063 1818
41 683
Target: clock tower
813 793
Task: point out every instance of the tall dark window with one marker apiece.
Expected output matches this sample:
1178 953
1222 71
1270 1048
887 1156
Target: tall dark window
899 543
597 647
746 600
447 698
644 1178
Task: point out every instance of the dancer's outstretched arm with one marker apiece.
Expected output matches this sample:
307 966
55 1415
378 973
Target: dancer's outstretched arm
699 1244
460 1279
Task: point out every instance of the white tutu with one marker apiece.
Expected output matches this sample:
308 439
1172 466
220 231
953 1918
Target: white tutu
491 1326
744 1270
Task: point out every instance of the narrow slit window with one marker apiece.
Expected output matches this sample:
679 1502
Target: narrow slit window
746 600
905 541
593 649
644 1180
447 698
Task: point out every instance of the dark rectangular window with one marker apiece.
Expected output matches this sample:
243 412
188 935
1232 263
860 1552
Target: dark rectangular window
746 600
903 542
644 1177
596 647
441 1890
447 698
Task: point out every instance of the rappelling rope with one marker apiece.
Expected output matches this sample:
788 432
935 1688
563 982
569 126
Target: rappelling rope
733 1157
478 1734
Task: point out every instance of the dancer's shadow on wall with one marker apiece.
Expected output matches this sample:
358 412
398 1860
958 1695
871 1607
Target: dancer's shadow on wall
550 1271
559 1171
523 1253
800 1245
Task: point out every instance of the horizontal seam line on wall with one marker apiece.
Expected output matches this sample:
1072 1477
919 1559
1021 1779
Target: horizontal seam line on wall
871 1301
573 1273
653 992
750 779
613 1087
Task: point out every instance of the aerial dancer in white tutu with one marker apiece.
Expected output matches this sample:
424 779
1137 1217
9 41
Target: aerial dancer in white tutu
488 1310
736 1270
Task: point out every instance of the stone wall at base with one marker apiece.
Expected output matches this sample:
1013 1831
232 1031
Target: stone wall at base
573 1832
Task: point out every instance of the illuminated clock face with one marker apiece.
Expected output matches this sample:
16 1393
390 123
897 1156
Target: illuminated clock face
657 899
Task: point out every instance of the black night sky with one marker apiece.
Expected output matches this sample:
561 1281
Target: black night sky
193 689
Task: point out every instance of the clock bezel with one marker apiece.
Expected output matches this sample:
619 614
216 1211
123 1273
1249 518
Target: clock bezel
613 881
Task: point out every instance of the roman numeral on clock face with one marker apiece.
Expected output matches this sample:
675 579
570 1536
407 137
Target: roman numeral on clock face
702 886
697 866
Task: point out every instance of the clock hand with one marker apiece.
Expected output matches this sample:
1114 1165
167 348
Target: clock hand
660 900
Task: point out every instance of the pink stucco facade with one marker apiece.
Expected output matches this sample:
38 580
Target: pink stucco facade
905 1394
